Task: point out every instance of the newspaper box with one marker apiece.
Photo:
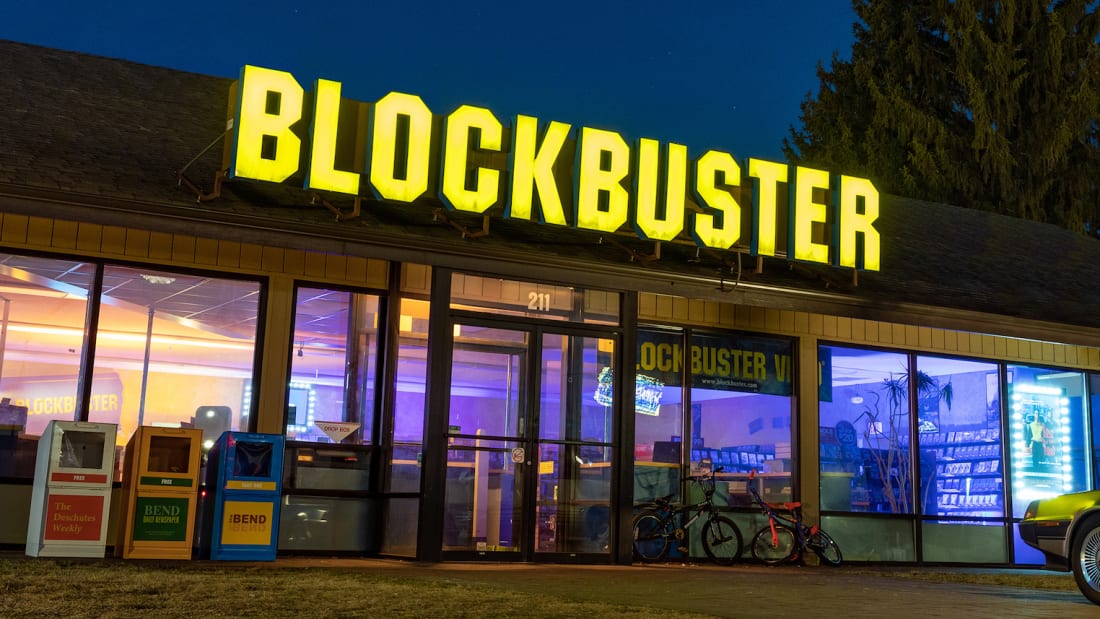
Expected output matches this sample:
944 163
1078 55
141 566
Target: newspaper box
244 485
160 490
71 496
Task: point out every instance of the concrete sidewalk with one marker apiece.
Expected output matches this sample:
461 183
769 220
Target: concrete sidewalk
748 590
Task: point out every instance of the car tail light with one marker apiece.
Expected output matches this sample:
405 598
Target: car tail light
1032 510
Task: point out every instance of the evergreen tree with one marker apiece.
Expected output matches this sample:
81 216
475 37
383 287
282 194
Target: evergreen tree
979 103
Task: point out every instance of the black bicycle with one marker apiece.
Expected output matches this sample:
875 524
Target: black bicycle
786 537
656 527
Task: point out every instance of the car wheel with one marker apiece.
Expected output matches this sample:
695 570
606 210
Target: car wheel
1086 560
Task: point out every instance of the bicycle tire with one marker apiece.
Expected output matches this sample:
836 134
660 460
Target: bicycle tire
722 540
825 548
652 536
782 549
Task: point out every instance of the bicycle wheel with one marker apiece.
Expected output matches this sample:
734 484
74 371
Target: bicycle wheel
773 551
825 548
651 537
722 540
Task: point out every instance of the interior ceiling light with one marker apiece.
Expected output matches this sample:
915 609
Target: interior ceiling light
157 279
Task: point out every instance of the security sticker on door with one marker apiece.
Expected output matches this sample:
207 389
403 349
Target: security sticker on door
517 455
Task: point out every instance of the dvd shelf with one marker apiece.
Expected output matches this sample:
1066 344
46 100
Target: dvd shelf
742 458
969 476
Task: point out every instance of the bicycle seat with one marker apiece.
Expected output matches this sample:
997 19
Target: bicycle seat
663 501
788 506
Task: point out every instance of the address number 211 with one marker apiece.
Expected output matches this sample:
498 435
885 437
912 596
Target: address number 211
538 301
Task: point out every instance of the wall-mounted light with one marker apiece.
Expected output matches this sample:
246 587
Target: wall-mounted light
856 399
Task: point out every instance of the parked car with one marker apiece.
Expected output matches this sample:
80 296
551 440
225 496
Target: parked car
1066 529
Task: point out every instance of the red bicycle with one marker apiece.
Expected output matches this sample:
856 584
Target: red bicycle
786 537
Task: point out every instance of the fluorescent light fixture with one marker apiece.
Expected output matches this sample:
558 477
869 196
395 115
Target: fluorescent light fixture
138 338
1058 375
1024 388
28 291
158 279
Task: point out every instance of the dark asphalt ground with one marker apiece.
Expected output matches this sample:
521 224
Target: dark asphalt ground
754 591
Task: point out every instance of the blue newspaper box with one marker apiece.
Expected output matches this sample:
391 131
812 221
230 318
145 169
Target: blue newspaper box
243 487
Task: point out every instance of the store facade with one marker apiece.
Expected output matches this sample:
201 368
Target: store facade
458 382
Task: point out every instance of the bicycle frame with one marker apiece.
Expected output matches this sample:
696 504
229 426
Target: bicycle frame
803 532
788 517
706 506
664 522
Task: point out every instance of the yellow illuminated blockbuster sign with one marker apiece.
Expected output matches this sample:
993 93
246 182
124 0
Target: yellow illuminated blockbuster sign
399 151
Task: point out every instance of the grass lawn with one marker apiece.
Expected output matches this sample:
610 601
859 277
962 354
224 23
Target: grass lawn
89 588
1030 579
333 588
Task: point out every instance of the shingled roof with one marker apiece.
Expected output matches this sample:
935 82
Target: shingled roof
97 139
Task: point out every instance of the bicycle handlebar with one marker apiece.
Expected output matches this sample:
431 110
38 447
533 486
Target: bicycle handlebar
704 476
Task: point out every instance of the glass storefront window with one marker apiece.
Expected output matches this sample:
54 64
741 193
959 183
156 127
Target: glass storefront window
483 500
400 514
741 412
43 304
333 524
592 361
978 443
959 434
331 395
961 472
1047 415
487 374
864 430
576 429
739 416
658 414
178 348
409 405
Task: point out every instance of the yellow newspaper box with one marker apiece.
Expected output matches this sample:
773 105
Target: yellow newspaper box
160 488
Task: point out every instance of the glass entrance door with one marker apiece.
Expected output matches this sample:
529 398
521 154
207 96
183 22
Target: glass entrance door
529 443
575 443
487 450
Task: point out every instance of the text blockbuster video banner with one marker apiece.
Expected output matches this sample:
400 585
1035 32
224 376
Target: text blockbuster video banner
719 363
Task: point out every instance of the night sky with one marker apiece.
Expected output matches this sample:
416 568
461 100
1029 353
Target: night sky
728 75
